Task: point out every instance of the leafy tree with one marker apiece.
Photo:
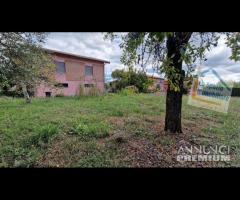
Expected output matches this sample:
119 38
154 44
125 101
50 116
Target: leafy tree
131 77
23 62
167 51
237 85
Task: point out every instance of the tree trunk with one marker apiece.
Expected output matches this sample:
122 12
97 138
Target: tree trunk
173 111
175 44
25 93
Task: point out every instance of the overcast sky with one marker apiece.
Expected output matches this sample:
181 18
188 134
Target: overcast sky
93 45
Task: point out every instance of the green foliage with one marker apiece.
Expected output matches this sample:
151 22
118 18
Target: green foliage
166 51
17 157
133 116
97 159
91 129
234 43
23 61
90 91
131 77
60 95
80 129
43 136
93 91
237 85
15 90
97 156
81 90
130 90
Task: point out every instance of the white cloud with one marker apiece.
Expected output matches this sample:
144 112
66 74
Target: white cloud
87 44
218 59
93 45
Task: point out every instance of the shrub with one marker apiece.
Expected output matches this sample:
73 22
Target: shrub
46 132
15 91
60 95
130 90
17 157
91 130
99 130
43 136
131 77
81 129
81 90
93 91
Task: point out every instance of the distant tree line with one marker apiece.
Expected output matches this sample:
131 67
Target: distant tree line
236 89
130 77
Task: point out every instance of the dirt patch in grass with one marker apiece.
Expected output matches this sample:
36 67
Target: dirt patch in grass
114 130
117 121
143 153
153 148
71 151
158 148
61 153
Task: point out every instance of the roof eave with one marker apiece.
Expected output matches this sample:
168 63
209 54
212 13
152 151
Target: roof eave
75 55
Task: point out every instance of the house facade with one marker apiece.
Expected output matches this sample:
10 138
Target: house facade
159 84
72 73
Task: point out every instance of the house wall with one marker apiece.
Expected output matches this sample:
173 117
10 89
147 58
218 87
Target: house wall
163 84
74 76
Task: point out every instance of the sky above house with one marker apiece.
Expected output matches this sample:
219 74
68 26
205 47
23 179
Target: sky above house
93 45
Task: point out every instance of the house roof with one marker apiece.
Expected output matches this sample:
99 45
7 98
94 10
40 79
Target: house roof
75 55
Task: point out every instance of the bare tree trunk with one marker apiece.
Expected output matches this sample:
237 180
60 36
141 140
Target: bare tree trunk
25 93
175 44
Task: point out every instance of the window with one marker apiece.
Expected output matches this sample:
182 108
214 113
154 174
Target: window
65 85
158 86
88 70
48 94
60 67
88 85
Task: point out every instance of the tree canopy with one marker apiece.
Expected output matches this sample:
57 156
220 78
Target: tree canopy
151 48
167 52
131 77
22 60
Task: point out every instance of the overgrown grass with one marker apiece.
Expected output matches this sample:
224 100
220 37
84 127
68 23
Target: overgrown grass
91 130
42 137
27 131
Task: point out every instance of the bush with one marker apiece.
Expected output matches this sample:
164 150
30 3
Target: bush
130 90
15 91
131 77
81 129
43 136
46 132
60 95
17 157
91 130
93 91
81 90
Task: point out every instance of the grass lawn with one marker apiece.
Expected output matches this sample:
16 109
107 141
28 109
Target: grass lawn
108 131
